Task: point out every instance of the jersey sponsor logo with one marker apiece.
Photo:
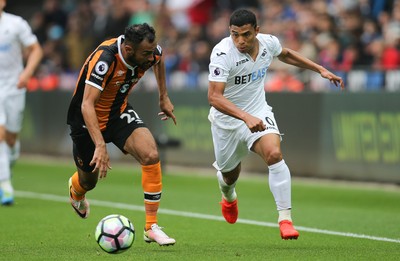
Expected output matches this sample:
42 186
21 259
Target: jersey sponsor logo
251 77
101 68
97 77
5 47
242 61
221 53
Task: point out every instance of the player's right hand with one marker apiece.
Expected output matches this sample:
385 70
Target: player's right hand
101 160
255 124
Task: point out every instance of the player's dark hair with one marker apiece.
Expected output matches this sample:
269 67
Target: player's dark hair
136 33
242 17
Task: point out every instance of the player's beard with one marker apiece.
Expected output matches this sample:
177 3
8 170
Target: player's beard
132 61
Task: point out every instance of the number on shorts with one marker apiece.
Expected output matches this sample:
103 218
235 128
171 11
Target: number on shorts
270 121
130 116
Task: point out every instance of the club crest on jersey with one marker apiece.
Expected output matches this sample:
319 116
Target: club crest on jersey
120 73
264 53
101 68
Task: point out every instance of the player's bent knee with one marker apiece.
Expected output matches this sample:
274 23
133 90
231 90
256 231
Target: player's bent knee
150 158
274 157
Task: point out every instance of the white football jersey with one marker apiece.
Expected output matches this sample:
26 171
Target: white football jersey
15 33
244 77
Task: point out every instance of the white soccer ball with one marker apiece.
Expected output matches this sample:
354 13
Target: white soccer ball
115 233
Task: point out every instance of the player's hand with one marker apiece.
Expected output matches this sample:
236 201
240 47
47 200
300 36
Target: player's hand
23 80
101 161
255 124
336 80
167 110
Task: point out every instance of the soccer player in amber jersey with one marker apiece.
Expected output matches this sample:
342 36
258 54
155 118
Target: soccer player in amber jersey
99 113
16 41
241 119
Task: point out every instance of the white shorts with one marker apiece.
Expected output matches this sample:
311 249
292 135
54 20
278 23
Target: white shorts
232 145
12 111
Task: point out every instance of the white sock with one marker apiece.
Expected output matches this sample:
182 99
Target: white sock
228 191
280 185
13 152
5 183
6 187
284 215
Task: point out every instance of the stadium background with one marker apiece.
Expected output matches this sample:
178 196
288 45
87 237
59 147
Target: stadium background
353 134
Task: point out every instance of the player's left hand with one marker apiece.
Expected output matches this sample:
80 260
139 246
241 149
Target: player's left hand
167 110
336 80
100 161
23 80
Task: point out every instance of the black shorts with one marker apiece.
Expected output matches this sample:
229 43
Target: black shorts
116 132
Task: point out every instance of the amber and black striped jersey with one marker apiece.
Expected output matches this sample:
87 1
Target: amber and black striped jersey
106 70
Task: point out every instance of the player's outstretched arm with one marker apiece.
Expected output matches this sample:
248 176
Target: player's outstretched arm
294 58
166 106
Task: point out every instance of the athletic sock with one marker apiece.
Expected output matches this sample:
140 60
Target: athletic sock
14 152
280 185
152 186
7 188
227 191
284 214
5 174
77 192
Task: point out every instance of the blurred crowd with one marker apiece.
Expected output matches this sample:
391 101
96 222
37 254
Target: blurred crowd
358 39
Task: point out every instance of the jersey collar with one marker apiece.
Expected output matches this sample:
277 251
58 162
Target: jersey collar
121 38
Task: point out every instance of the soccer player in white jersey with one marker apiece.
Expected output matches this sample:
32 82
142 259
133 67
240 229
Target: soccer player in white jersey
16 38
241 119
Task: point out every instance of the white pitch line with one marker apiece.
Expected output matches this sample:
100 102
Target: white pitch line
101 203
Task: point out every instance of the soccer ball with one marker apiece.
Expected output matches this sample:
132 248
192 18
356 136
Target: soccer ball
115 233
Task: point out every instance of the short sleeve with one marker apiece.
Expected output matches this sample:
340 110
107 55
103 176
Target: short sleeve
218 68
26 36
276 46
99 69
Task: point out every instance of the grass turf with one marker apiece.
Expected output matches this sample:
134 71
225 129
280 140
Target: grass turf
42 226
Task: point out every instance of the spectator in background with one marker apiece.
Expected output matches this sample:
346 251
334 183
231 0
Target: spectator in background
54 15
140 12
311 25
78 39
16 42
100 17
118 18
391 52
55 20
283 80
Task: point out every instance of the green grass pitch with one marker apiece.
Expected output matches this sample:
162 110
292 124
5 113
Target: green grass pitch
336 221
